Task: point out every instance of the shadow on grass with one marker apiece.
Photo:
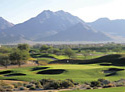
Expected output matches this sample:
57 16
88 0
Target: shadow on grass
106 64
6 72
52 71
38 68
112 71
11 79
111 74
15 74
114 59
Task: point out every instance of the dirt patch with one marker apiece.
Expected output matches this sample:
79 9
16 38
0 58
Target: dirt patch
38 68
6 72
52 71
15 74
13 81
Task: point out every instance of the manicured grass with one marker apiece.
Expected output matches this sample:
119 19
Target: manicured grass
58 56
116 89
79 73
45 59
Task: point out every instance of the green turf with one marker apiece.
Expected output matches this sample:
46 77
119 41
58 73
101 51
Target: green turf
79 73
45 59
58 56
117 89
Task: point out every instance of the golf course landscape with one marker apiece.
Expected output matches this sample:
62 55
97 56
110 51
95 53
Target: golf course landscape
79 73
67 68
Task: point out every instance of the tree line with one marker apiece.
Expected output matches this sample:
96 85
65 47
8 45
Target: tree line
14 56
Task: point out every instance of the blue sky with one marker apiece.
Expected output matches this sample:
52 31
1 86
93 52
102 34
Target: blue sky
17 11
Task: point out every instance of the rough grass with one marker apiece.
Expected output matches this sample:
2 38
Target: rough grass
117 89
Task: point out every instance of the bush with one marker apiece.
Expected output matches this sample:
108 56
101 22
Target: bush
22 88
38 85
67 84
104 82
15 85
32 88
56 84
5 87
53 85
95 84
29 85
19 84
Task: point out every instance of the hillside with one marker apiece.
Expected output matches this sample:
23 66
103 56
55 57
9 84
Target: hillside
79 32
4 24
113 27
45 24
52 26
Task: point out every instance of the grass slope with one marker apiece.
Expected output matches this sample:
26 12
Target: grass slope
114 59
79 73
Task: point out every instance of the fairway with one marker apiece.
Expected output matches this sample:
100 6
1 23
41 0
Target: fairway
79 73
117 89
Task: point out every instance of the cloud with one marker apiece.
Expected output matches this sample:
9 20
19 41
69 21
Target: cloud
112 10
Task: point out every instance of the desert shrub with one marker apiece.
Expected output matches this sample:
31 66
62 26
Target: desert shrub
95 87
72 81
53 85
32 88
38 85
6 87
25 84
44 81
88 88
101 80
15 85
29 85
56 84
67 84
19 84
104 82
22 88
95 84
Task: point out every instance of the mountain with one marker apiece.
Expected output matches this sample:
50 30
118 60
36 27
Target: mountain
45 24
4 24
52 26
113 27
78 32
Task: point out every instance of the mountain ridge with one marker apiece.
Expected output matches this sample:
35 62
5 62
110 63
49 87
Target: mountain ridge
4 24
48 24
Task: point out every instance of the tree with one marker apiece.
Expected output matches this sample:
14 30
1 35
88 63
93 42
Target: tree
44 48
4 50
117 49
69 52
87 53
4 60
23 47
19 56
57 51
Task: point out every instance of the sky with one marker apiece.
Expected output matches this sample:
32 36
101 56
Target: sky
18 11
